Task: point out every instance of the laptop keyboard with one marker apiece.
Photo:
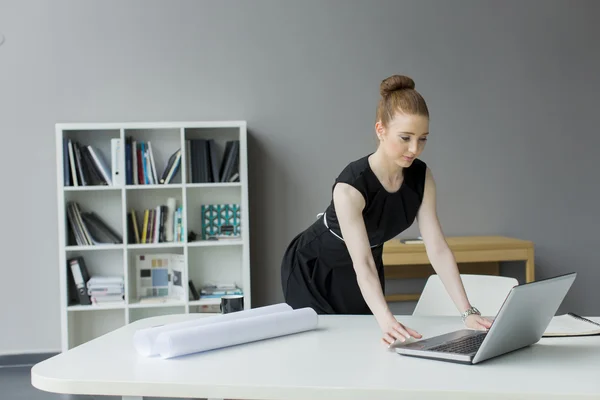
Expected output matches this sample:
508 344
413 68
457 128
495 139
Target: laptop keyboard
466 345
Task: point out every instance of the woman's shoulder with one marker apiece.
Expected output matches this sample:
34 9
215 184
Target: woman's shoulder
354 174
354 169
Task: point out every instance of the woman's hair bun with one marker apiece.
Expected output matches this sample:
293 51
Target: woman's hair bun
394 83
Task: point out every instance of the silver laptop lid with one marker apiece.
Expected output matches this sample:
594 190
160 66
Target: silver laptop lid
524 316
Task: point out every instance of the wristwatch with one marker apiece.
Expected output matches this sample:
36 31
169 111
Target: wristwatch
468 312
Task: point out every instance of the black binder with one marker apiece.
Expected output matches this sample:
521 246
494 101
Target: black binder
80 275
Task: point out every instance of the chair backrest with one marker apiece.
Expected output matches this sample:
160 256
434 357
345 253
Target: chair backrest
486 292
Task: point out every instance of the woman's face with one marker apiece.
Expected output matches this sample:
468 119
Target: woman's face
404 139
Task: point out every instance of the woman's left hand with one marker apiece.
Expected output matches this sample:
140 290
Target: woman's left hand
478 322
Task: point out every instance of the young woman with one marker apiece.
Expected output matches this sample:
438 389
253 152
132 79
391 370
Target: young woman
335 265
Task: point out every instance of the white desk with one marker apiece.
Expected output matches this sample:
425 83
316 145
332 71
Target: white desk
343 359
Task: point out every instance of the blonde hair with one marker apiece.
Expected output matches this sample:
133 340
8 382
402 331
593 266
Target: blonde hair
398 95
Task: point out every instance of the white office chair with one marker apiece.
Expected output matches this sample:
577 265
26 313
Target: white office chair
486 292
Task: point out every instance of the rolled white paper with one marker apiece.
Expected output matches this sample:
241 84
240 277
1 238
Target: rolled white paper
223 334
144 339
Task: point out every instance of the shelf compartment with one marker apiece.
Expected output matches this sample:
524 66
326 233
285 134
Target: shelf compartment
161 257
107 264
198 197
207 153
159 145
142 200
93 322
108 208
76 156
216 265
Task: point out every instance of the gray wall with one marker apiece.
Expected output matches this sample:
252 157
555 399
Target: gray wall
512 90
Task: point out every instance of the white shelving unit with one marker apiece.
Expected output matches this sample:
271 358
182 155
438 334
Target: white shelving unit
206 261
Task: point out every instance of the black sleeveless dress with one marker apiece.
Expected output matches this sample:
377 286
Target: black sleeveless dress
317 271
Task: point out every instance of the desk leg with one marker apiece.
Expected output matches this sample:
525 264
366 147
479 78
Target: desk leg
530 267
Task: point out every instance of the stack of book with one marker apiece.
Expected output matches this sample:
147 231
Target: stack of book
203 164
140 166
161 224
85 165
218 291
86 228
106 289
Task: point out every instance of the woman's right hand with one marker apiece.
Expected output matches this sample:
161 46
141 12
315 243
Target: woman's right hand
349 204
393 330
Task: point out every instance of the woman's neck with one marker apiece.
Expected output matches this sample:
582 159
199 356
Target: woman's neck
388 172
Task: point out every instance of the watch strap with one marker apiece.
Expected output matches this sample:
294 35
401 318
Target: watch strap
470 311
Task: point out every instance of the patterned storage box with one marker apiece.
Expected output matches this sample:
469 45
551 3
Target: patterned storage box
220 221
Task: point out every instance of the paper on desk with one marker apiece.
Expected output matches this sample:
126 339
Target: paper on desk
144 339
229 333
571 325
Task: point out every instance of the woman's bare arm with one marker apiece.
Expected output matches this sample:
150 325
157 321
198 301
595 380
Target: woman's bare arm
349 204
439 253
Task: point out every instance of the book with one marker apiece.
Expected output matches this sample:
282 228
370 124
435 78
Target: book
159 277
415 240
571 324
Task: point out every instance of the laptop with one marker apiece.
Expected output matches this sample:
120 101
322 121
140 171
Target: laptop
521 322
